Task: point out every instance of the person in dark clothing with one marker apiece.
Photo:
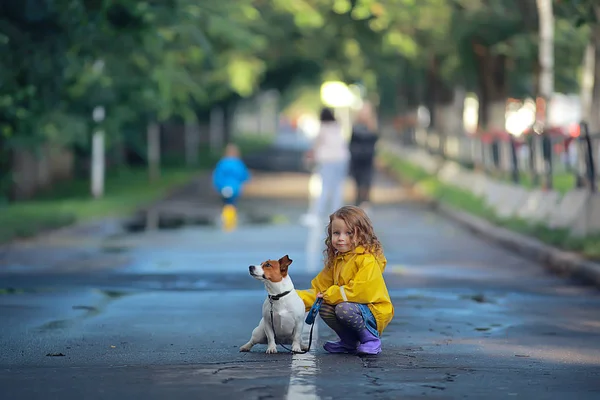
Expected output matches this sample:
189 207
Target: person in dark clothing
362 153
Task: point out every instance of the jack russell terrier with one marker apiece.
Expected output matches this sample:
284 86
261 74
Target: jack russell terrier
282 311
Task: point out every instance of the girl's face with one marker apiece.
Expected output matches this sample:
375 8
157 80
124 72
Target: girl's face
342 238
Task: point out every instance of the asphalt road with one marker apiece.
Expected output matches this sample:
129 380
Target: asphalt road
161 314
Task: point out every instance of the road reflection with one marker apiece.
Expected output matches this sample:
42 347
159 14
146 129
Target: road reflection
316 232
314 248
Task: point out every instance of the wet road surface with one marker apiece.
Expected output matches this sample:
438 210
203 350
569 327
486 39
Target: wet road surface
161 314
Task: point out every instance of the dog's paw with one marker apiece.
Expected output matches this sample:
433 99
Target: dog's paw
271 350
296 348
245 348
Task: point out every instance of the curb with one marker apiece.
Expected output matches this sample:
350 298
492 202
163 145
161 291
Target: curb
563 263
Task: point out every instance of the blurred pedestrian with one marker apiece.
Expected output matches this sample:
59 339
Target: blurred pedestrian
330 155
229 177
362 153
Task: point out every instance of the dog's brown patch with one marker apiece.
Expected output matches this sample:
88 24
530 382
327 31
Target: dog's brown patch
276 270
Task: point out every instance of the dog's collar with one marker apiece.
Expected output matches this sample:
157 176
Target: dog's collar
278 296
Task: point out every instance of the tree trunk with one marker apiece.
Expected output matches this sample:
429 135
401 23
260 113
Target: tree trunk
546 54
443 109
192 143
153 137
491 73
5 169
431 91
437 97
546 84
118 153
217 129
228 116
439 100
587 81
594 105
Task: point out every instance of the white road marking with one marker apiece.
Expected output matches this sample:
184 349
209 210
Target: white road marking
304 370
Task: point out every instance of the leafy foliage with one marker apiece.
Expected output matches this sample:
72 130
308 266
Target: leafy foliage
154 60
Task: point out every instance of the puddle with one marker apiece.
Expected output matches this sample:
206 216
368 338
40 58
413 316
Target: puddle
162 221
490 328
55 325
85 308
418 297
179 285
164 264
147 221
264 219
478 298
87 311
17 291
5 291
114 294
114 249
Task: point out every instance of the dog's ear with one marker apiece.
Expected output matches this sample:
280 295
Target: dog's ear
284 263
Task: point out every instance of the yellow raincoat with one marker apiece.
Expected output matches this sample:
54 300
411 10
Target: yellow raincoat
356 277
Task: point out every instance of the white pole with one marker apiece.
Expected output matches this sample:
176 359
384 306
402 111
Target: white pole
97 184
98 164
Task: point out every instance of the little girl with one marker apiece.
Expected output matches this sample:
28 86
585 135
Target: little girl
356 303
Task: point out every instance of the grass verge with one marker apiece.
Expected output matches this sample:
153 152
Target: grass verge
431 186
126 190
250 142
562 181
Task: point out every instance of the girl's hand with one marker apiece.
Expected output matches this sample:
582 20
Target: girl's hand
319 295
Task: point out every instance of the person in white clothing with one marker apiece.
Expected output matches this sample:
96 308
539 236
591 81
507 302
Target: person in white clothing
331 155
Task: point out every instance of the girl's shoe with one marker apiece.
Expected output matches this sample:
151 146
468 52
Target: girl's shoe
369 343
347 344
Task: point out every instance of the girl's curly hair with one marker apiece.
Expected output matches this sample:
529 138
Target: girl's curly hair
359 223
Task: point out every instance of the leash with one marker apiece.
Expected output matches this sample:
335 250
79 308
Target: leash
310 319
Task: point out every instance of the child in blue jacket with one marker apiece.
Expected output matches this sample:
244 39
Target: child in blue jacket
229 175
